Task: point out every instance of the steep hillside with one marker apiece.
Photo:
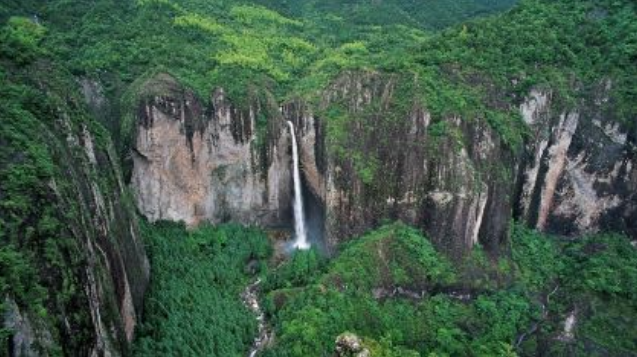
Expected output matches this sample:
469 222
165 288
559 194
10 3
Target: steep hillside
401 297
73 267
424 112
422 14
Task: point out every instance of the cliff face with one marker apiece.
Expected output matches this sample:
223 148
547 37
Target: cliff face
578 175
71 251
370 151
393 161
218 163
575 174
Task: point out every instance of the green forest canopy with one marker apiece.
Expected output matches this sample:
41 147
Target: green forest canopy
296 48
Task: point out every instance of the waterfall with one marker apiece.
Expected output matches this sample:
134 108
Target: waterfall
299 221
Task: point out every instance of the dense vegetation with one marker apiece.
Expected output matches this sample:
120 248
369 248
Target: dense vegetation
391 287
592 278
395 291
44 195
478 70
426 14
194 306
405 299
21 180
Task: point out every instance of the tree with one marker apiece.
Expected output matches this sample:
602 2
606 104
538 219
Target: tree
20 40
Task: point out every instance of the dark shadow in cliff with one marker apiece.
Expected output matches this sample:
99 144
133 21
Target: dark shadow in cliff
314 219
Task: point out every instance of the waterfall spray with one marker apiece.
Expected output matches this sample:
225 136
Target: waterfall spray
299 221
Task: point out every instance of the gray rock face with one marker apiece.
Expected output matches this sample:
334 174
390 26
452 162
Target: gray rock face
452 177
194 165
578 175
396 169
115 271
89 262
26 341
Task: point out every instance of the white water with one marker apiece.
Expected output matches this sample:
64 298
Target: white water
251 300
299 221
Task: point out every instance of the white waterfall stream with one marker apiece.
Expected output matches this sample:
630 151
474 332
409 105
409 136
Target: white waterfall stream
299 221
250 294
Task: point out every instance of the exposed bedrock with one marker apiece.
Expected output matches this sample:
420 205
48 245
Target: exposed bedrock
389 164
214 163
91 258
388 159
579 172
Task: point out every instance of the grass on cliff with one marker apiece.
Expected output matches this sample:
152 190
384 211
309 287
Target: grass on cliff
43 208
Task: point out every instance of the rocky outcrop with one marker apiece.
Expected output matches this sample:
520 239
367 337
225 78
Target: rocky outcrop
194 165
350 345
578 175
26 340
114 271
219 163
454 178
311 141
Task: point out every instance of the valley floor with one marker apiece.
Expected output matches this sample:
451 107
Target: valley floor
390 290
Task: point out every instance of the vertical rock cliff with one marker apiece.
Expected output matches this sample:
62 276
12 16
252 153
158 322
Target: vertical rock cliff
370 151
71 250
389 160
454 177
217 162
578 175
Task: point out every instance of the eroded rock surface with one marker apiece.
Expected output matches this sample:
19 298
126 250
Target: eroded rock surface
578 175
195 164
393 167
87 262
390 159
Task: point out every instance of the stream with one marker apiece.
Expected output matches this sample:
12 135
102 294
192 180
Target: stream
250 298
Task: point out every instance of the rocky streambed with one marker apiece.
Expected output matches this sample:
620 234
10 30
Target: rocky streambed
250 297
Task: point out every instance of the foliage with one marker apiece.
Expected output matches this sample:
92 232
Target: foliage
301 269
479 70
427 14
194 306
593 275
20 40
606 264
537 256
30 227
47 188
601 280
17 277
383 286
394 255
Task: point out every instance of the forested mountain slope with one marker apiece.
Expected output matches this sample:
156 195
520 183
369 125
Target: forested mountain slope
422 14
73 268
418 111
